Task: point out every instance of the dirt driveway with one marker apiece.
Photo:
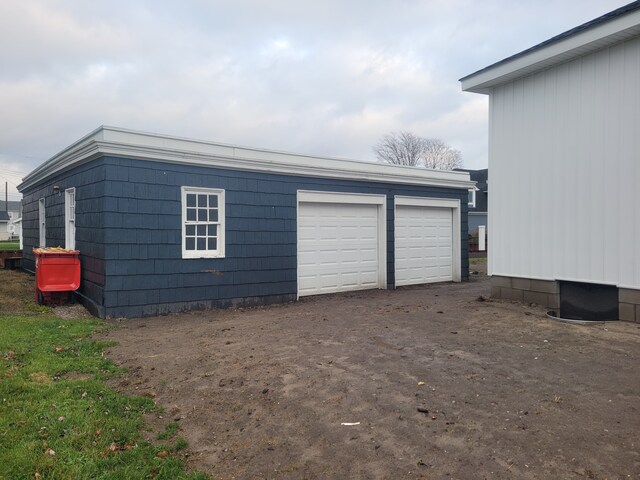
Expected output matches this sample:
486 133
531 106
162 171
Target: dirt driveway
420 382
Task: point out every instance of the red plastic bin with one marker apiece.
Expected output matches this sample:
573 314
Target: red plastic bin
57 270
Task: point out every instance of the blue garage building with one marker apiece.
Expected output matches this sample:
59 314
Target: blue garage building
167 224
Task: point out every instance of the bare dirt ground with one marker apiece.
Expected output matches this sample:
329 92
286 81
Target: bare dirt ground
420 382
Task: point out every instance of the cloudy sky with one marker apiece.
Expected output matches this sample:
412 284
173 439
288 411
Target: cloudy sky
323 77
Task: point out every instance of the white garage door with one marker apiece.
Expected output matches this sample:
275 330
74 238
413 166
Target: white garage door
337 247
423 244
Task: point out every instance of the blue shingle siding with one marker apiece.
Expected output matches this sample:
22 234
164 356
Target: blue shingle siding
89 182
129 227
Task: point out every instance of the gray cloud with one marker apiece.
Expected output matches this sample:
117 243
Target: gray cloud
325 78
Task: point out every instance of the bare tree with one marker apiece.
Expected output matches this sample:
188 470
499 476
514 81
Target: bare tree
405 148
441 156
402 148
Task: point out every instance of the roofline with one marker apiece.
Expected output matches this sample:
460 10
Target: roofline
606 30
120 142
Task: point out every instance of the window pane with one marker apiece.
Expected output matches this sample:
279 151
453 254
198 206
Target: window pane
213 230
190 243
202 230
213 214
191 230
202 243
191 200
202 200
202 215
213 243
213 201
191 214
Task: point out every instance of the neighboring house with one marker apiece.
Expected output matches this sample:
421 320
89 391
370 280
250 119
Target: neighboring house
13 208
564 159
12 228
18 230
167 224
4 226
478 198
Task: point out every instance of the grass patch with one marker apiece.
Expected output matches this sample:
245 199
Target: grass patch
59 420
9 246
477 260
169 431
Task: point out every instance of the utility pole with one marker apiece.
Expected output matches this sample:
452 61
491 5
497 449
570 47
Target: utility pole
6 196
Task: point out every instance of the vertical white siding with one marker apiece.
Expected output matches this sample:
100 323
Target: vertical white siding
564 149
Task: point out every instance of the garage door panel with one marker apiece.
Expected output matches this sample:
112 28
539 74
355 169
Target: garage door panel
423 244
337 247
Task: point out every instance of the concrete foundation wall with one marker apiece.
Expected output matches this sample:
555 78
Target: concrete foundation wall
547 294
540 292
629 304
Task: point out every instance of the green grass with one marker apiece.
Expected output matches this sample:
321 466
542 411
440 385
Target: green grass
477 260
53 398
9 246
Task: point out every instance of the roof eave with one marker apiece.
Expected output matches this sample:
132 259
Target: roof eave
562 50
111 141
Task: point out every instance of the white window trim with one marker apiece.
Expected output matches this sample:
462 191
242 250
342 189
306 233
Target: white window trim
69 223
473 191
42 223
220 252
304 196
454 205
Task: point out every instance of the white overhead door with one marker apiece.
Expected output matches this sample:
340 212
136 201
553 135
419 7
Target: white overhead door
423 244
338 247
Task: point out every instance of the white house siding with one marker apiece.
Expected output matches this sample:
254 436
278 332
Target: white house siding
565 171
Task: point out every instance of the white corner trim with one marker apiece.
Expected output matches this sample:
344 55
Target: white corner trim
454 205
119 142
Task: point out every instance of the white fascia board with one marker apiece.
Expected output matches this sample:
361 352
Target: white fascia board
154 147
564 50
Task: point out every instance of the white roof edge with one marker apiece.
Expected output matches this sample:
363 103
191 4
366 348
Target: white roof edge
122 142
600 36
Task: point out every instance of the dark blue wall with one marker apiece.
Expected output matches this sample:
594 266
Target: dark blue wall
138 233
89 182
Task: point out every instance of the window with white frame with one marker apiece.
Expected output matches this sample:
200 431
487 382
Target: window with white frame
70 218
202 222
42 224
472 197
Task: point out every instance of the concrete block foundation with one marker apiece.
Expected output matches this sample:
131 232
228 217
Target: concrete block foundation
546 293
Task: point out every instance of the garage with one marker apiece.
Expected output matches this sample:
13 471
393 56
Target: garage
425 240
341 242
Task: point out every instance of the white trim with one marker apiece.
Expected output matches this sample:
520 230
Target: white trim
161 148
601 36
221 239
42 222
454 205
561 279
472 203
69 223
340 197
310 196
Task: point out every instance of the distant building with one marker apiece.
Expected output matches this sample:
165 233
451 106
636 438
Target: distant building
13 208
4 224
478 198
9 214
